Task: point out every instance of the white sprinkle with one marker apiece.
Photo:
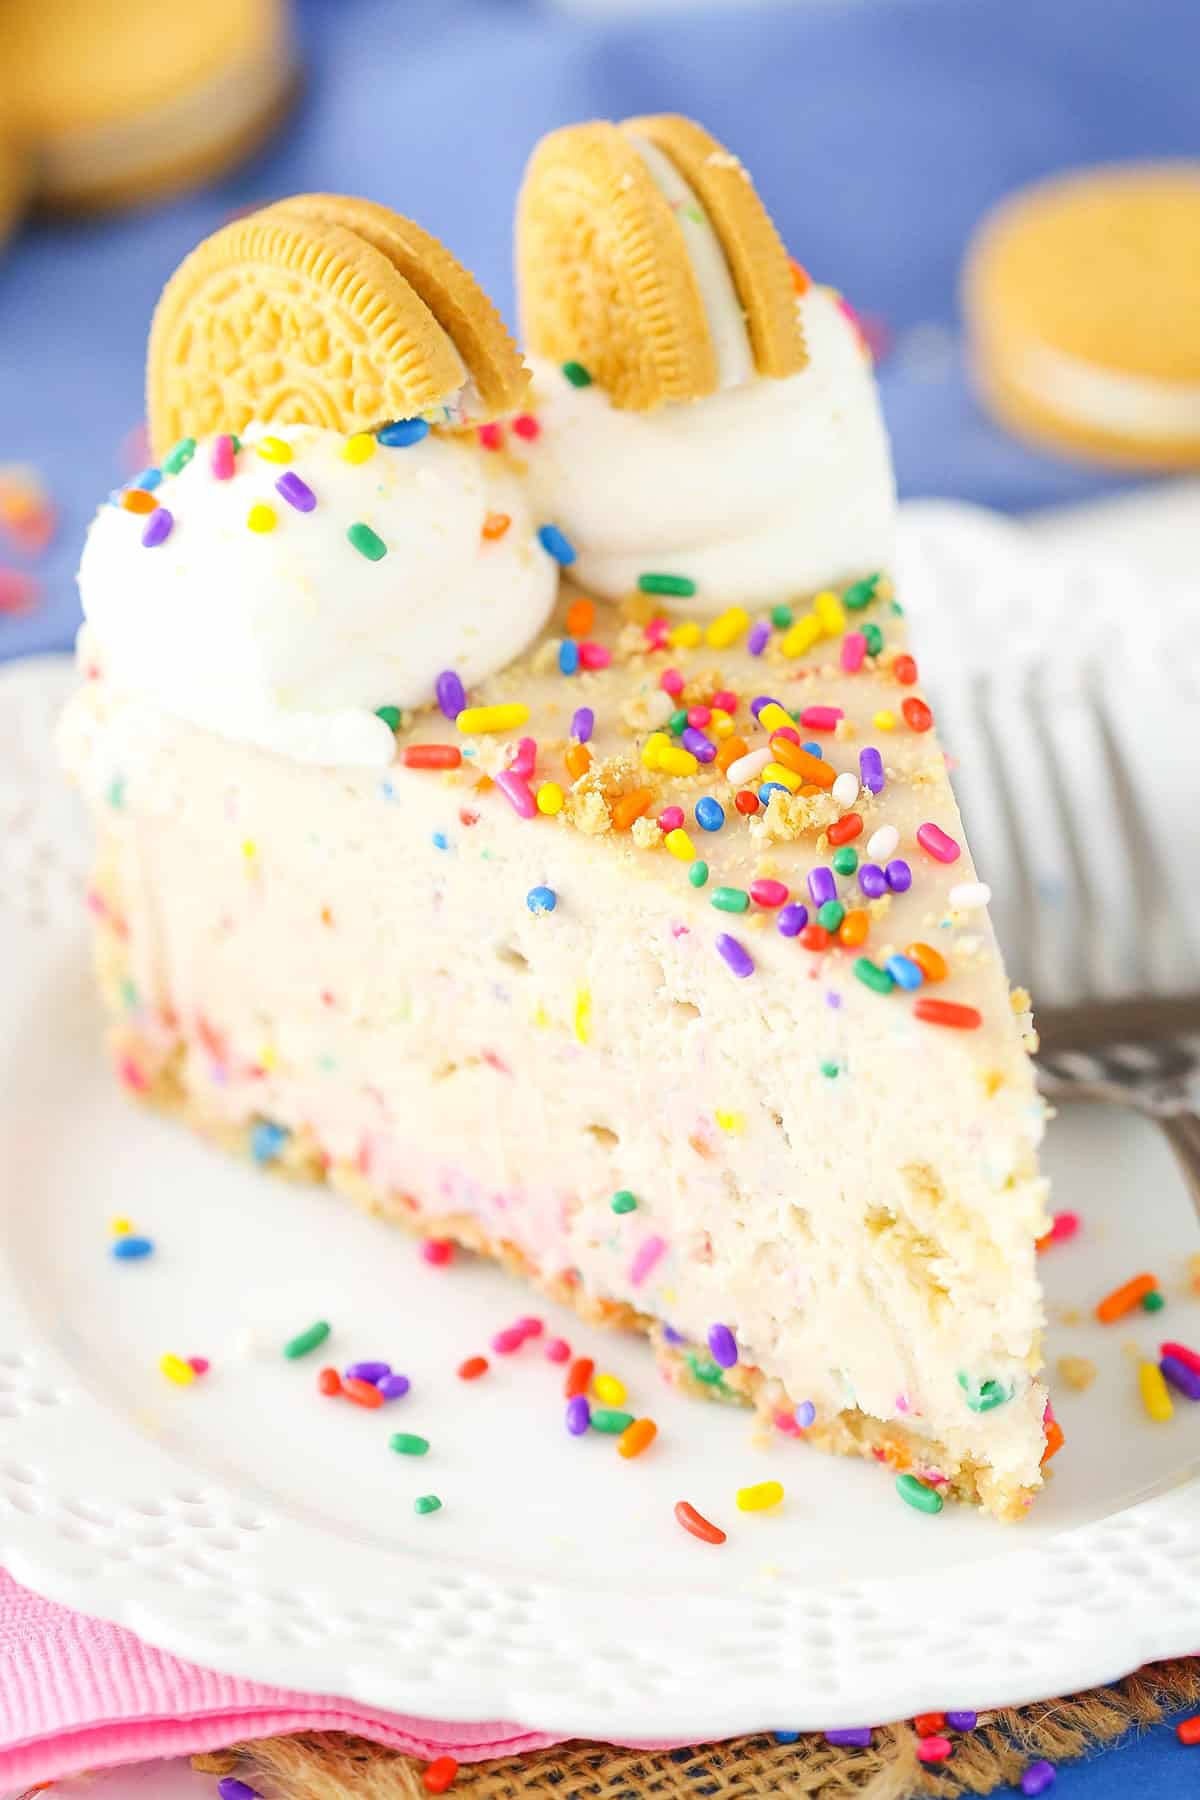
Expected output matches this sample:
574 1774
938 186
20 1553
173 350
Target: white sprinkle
246 1342
970 894
845 789
748 766
882 842
659 707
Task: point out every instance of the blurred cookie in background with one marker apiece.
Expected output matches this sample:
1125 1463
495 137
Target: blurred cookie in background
121 101
15 173
1082 302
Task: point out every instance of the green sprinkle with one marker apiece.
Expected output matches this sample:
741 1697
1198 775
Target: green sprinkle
860 593
727 899
703 1368
427 1503
845 860
897 609
576 374
831 915
116 793
236 441
682 585
180 456
782 617
407 1443
831 1069
391 716
989 1395
677 721
698 873
129 996
874 638
307 1340
623 1201
608 1419
1153 1301
917 1495
872 976
368 543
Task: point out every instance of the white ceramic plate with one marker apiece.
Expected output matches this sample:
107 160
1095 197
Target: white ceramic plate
250 1525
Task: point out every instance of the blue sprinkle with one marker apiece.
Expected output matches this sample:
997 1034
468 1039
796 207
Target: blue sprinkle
904 971
671 1336
541 899
403 432
440 841
129 1249
710 814
148 479
814 750
787 1737
756 643
806 1412
555 544
771 787
568 656
267 1140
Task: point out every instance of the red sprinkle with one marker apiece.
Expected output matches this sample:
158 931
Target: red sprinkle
526 426
363 1393
578 1376
786 1422
842 830
947 1012
438 1251
917 715
768 893
440 1774
929 1724
905 670
697 1524
432 756
491 436
745 801
329 1382
473 1368
1188 1730
1182 1354
724 700
814 937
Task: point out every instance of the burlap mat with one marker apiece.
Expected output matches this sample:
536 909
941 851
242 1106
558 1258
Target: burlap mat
333 1766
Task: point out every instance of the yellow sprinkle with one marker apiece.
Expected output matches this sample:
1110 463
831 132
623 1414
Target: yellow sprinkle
583 1014
121 1226
539 1016
268 1057
884 721
249 849
675 761
685 636
802 635
758 1498
493 718
720 725
176 1370
261 517
680 844
830 612
652 749
1155 1397
610 1389
728 627
273 449
730 1121
774 771
358 448
549 798
773 717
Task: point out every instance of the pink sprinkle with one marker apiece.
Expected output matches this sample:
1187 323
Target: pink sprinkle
199 1365
18 593
671 818
526 426
131 1075
768 893
786 731
933 1749
939 845
95 903
525 761
854 649
491 437
901 1403
657 632
516 789
530 1327
820 718
558 1350
786 1422
508 1340
223 463
649 1251
594 656
1065 1225
699 716
671 681
724 701
438 1251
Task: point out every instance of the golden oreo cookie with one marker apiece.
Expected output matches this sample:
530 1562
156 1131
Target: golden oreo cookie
644 254
279 316
1082 300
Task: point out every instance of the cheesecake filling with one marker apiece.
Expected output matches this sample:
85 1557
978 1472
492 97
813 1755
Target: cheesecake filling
1138 406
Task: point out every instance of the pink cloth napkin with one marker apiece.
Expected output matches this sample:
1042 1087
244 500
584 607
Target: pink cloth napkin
78 1694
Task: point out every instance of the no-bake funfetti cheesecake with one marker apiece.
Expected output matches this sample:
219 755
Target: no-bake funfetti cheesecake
621 928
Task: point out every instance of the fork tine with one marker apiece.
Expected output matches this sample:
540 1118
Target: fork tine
1085 960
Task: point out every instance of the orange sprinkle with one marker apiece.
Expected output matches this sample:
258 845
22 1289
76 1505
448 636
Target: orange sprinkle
1124 1299
637 1437
137 500
439 1774
729 751
931 962
363 1393
697 1524
578 760
948 1012
803 762
854 927
581 616
578 1377
630 807
801 279
1054 1440
929 1724
495 525
842 830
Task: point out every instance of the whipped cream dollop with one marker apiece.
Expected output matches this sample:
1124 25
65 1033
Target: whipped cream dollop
290 637
758 494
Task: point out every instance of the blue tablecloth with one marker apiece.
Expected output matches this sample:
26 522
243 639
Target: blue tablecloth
878 131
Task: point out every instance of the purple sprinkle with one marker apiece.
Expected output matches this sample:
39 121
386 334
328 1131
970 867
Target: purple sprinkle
792 919
899 876
672 1336
761 700
394 1387
451 695
806 1412
723 1346
756 643
701 747
857 1739
579 1415
821 886
964 1721
230 1788
1180 1376
1038 1777
297 493
582 724
735 955
367 1371
158 528
872 880
870 767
